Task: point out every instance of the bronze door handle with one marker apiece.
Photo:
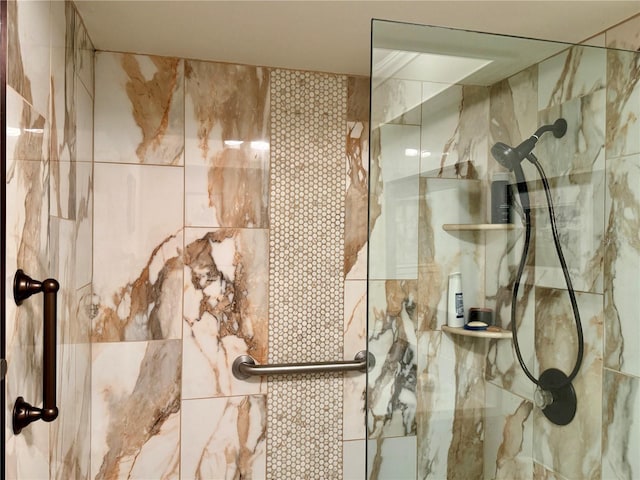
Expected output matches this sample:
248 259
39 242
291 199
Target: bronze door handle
23 412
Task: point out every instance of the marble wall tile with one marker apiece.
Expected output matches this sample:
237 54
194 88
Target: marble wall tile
227 145
454 133
28 60
574 165
556 347
573 73
71 432
450 413
224 438
508 440
138 220
540 472
441 253
225 309
620 429
84 53
397 101
383 455
357 194
356 201
621 262
26 454
355 340
139 104
391 393
503 252
126 376
623 103
354 454
393 240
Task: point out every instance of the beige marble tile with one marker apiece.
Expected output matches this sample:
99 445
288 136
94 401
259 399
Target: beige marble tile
355 340
556 347
224 438
227 134
28 55
137 269
508 440
621 261
225 309
139 109
126 376
620 430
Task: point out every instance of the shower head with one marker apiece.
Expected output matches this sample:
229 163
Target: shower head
509 157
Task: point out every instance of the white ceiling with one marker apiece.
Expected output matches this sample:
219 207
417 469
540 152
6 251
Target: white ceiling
328 36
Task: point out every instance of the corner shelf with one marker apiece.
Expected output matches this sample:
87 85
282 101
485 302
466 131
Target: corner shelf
464 227
476 333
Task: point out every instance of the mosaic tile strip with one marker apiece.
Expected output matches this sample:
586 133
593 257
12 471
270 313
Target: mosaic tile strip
308 117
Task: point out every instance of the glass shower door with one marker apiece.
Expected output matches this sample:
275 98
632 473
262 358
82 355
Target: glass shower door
473 137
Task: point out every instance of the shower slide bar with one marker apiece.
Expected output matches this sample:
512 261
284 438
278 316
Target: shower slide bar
244 366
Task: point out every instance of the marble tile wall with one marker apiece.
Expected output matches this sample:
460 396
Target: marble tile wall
49 233
219 235
486 411
426 170
592 174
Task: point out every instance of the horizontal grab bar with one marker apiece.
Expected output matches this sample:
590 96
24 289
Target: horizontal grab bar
244 366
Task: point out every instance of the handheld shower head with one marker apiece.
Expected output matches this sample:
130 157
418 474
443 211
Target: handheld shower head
509 157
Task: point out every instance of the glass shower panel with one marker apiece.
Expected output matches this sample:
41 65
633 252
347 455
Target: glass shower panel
463 127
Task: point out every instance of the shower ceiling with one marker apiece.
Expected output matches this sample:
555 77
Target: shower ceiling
330 36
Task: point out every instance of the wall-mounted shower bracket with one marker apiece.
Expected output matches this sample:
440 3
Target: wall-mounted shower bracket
556 397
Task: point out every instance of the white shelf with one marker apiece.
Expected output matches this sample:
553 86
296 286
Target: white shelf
476 333
464 227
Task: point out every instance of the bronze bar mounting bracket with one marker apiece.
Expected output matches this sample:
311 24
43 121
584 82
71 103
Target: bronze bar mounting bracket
23 412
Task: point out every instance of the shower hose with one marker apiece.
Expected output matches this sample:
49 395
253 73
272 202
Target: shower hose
572 296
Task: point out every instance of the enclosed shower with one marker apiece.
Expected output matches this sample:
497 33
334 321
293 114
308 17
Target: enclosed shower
550 389
218 270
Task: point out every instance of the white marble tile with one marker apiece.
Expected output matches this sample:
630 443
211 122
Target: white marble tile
508 440
397 101
71 432
138 246
227 151
574 165
503 252
623 103
621 263
454 133
437 396
139 109
225 309
83 53
394 237
576 72
28 62
620 426
356 201
383 455
355 340
354 456
556 347
451 397
391 396
124 377
224 438
442 253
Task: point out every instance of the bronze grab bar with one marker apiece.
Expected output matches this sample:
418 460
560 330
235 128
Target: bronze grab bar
244 366
23 412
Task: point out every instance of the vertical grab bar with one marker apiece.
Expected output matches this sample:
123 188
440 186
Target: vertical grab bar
23 412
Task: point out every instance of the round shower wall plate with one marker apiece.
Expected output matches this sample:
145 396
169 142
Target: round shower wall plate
564 405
